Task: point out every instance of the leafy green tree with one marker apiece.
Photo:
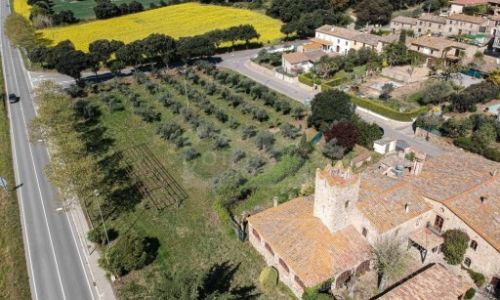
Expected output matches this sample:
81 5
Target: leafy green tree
332 150
264 140
390 260
455 127
397 54
454 246
72 63
374 12
195 47
21 33
103 49
329 106
436 93
160 48
129 252
131 54
367 133
485 135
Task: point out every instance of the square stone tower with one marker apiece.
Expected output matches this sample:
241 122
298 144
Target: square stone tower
336 193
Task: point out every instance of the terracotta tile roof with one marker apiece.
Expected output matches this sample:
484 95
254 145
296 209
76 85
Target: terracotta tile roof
467 18
405 20
383 202
483 217
432 18
295 57
321 42
438 43
452 174
337 31
469 2
435 282
306 245
426 238
390 38
312 46
367 38
458 180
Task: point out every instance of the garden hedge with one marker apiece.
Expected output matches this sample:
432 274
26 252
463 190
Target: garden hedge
387 111
306 80
333 83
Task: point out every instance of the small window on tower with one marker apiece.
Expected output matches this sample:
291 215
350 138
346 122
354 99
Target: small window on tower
365 232
346 204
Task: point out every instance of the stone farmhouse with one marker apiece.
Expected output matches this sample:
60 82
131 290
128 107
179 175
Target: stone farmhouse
335 39
311 240
454 24
442 48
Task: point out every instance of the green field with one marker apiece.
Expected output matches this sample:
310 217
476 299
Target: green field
193 236
13 275
84 9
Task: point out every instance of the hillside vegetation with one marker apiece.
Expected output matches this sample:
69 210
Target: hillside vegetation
177 21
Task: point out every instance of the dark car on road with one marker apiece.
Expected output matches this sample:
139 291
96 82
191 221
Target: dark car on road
13 98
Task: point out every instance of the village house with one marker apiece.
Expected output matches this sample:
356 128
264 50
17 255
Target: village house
299 62
311 240
429 23
403 23
457 6
340 40
464 24
442 48
433 281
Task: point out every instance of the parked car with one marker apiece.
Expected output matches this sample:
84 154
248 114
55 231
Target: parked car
13 98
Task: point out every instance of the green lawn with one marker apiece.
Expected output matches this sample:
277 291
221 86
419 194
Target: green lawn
84 9
13 275
192 236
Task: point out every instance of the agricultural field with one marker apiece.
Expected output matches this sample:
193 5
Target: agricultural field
199 124
177 21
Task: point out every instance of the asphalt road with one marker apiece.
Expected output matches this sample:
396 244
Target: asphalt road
239 62
55 263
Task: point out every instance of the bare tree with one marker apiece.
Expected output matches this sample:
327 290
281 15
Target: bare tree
390 259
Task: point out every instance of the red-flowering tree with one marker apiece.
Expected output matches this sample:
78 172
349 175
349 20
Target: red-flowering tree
344 132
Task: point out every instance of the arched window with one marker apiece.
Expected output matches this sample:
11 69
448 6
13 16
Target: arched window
473 245
467 262
346 204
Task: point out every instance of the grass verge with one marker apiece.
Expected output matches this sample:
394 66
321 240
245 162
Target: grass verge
13 275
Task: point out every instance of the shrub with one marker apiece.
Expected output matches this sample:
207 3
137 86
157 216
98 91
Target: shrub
228 186
238 155
248 131
344 132
298 113
264 140
129 253
386 111
233 123
268 278
221 142
255 165
455 244
332 150
147 113
98 236
477 277
470 294
191 154
169 131
290 131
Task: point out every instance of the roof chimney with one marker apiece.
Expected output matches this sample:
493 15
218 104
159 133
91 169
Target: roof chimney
407 207
418 163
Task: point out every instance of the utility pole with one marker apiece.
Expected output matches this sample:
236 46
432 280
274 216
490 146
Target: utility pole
96 192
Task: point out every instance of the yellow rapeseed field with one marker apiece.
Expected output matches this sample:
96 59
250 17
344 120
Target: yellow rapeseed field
177 21
21 7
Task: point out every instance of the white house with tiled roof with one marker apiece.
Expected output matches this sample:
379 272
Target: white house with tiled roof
329 236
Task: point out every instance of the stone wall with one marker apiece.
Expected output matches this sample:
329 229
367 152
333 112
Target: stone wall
272 259
333 205
485 259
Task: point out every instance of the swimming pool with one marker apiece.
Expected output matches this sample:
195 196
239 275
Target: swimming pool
494 108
